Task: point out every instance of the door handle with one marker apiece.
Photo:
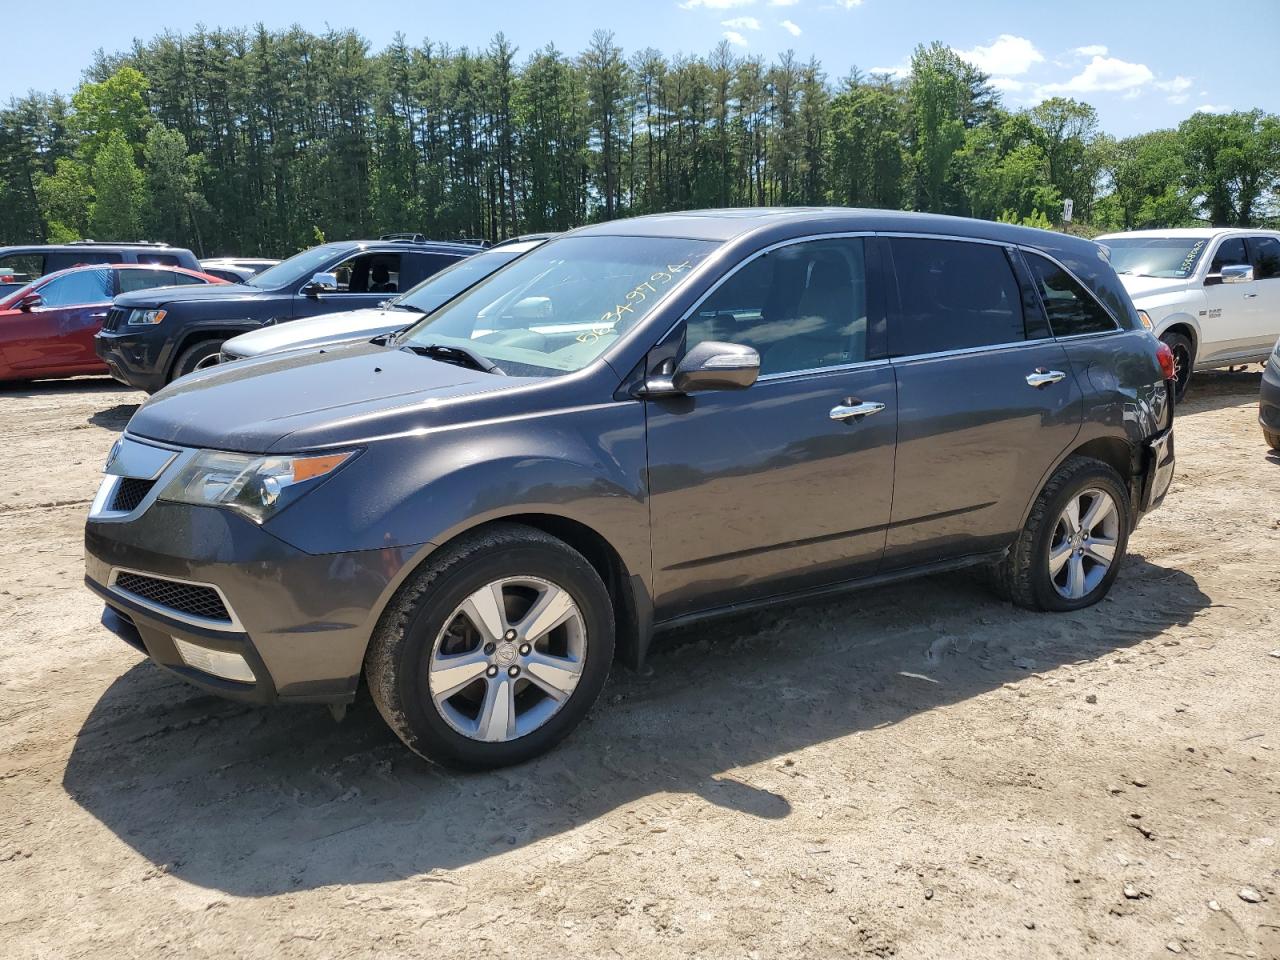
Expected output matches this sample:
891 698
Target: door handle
1040 377
98 316
855 410
1250 296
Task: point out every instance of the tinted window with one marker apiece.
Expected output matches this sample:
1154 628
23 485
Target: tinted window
161 258
184 279
369 273
83 286
1266 257
21 267
802 306
955 295
1072 310
1230 251
60 261
143 279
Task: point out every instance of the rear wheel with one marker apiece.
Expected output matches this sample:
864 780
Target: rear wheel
1068 554
1184 358
198 356
494 651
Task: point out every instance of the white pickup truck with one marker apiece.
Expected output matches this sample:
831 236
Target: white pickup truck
1213 295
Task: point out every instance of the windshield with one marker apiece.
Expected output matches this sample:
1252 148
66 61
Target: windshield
559 307
299 267
451 281
1174 258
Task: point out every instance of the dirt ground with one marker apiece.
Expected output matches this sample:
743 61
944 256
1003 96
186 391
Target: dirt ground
919 771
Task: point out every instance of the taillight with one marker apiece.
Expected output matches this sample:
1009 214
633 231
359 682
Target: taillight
1165 356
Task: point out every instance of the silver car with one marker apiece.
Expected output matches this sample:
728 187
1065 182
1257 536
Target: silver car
395 314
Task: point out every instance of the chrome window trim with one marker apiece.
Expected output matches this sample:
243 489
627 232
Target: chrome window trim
985 348
814 371
232 626
1084 286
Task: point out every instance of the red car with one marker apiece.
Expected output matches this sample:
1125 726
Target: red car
47 327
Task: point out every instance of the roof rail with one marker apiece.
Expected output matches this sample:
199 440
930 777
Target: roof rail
410 237
117 243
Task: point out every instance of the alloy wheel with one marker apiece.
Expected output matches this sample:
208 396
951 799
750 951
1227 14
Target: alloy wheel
1084 542
508 658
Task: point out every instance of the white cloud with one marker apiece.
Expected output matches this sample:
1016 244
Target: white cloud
1092 50
791 28
1213 108
900 72
715 4
848 4
1178 98
741 23
735 38
783 3
1104 74
1007 85
1177 85
1006 56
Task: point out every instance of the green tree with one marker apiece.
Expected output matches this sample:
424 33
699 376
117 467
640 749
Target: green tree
171 180
117 104
66 199
1233 163
1147 177
118 186
946 96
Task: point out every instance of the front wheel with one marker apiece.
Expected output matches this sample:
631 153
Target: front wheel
494 651
1070 550
198 356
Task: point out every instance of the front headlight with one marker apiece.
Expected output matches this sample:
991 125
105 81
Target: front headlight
256 486
141 317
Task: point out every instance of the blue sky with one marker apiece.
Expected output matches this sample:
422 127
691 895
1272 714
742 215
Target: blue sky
1142 64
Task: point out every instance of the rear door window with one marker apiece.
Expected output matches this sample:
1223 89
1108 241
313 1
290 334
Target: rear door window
165 259
1265 252
954 295
1072 310
131 280
60 260
83 286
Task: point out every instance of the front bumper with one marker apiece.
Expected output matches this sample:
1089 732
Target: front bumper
300 621
133 358
1269 399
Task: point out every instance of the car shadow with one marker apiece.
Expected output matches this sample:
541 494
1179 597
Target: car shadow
44 388
114 418
1216 389
256 801
259 801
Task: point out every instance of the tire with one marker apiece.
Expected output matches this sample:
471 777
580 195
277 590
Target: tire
201 354
1184 359
410 650
1025 575
1273 439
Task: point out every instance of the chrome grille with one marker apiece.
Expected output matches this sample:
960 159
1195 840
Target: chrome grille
188 599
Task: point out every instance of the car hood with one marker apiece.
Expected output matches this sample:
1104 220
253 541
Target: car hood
1140 287
158 296
299 401
317 331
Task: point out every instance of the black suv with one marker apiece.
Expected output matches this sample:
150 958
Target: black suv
20 265
637 424
155 336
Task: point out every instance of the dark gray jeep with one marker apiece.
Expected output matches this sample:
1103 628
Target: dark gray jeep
640 423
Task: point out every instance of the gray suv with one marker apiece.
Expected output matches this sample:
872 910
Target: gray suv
638 424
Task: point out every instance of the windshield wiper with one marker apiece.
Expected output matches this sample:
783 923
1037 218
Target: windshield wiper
403 306
463 356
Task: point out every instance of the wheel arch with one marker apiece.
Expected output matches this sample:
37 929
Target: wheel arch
1186 325
628 593
194 335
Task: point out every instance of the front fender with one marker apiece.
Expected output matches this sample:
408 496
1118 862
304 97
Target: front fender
584 464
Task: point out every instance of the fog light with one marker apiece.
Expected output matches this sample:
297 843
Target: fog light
229 666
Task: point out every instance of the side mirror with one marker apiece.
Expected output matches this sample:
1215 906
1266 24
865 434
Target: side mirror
320 283
30 302
710 366
1237 273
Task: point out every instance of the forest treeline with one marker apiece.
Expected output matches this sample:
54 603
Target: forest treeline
262 142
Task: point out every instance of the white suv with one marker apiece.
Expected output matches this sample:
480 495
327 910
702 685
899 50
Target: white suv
1213 295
